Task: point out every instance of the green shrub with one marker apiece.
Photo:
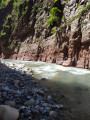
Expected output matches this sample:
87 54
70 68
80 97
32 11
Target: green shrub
55 1
63 17
3 3
54 29
2 33
19 4
15 4
51 20
27 0
26 7
39 9
53 16
6 26
54 11
9 16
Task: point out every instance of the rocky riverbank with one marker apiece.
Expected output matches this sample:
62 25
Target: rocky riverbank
18 89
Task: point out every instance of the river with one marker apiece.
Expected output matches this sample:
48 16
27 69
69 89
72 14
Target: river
73 83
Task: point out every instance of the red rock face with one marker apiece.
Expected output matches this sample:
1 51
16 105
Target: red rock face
69 46
56 55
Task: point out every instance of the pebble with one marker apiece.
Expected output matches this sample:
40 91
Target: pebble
11 103
49 98
43 79
45 104
30 102
5 88
53 114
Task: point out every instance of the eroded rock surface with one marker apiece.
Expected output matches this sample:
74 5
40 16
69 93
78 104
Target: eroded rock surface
32 39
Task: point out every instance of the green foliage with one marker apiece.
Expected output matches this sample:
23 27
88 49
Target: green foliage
67 1
54 17
3 3
51 20
6 26
54 29
2 33
85 8
9 16
63 17
78 5
17 4
82 11
27 0
26 7
55 1
54 11
39 9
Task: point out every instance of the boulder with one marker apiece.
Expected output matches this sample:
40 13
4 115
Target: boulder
8 113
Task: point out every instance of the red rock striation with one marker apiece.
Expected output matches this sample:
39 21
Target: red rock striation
69 46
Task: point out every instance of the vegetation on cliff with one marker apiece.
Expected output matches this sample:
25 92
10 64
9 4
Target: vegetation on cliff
40 19
20 9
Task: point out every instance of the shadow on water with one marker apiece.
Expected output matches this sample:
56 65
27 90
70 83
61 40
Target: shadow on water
78 98
73 90
77 94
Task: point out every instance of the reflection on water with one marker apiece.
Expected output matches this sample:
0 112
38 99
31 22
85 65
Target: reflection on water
73 82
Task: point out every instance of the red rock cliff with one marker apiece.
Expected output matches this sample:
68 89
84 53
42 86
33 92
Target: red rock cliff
29 37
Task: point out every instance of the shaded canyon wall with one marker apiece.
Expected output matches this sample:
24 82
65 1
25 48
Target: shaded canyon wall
32 39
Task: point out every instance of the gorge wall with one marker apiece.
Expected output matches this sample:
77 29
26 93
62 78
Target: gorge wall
25 34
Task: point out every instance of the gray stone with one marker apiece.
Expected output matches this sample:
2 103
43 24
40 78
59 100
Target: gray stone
53 114
49 98
8 113
43 79
11 103
6 88
30 102
45 104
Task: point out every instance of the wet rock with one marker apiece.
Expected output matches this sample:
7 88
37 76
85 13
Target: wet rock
16 82
8 113
11 103
45 104
46 90
6 88
43 79
58 106
49 98
30 102
39 91
37 107
22 107
28 97
53 114
47 109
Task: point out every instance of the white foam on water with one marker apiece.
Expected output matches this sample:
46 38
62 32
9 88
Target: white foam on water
40 67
